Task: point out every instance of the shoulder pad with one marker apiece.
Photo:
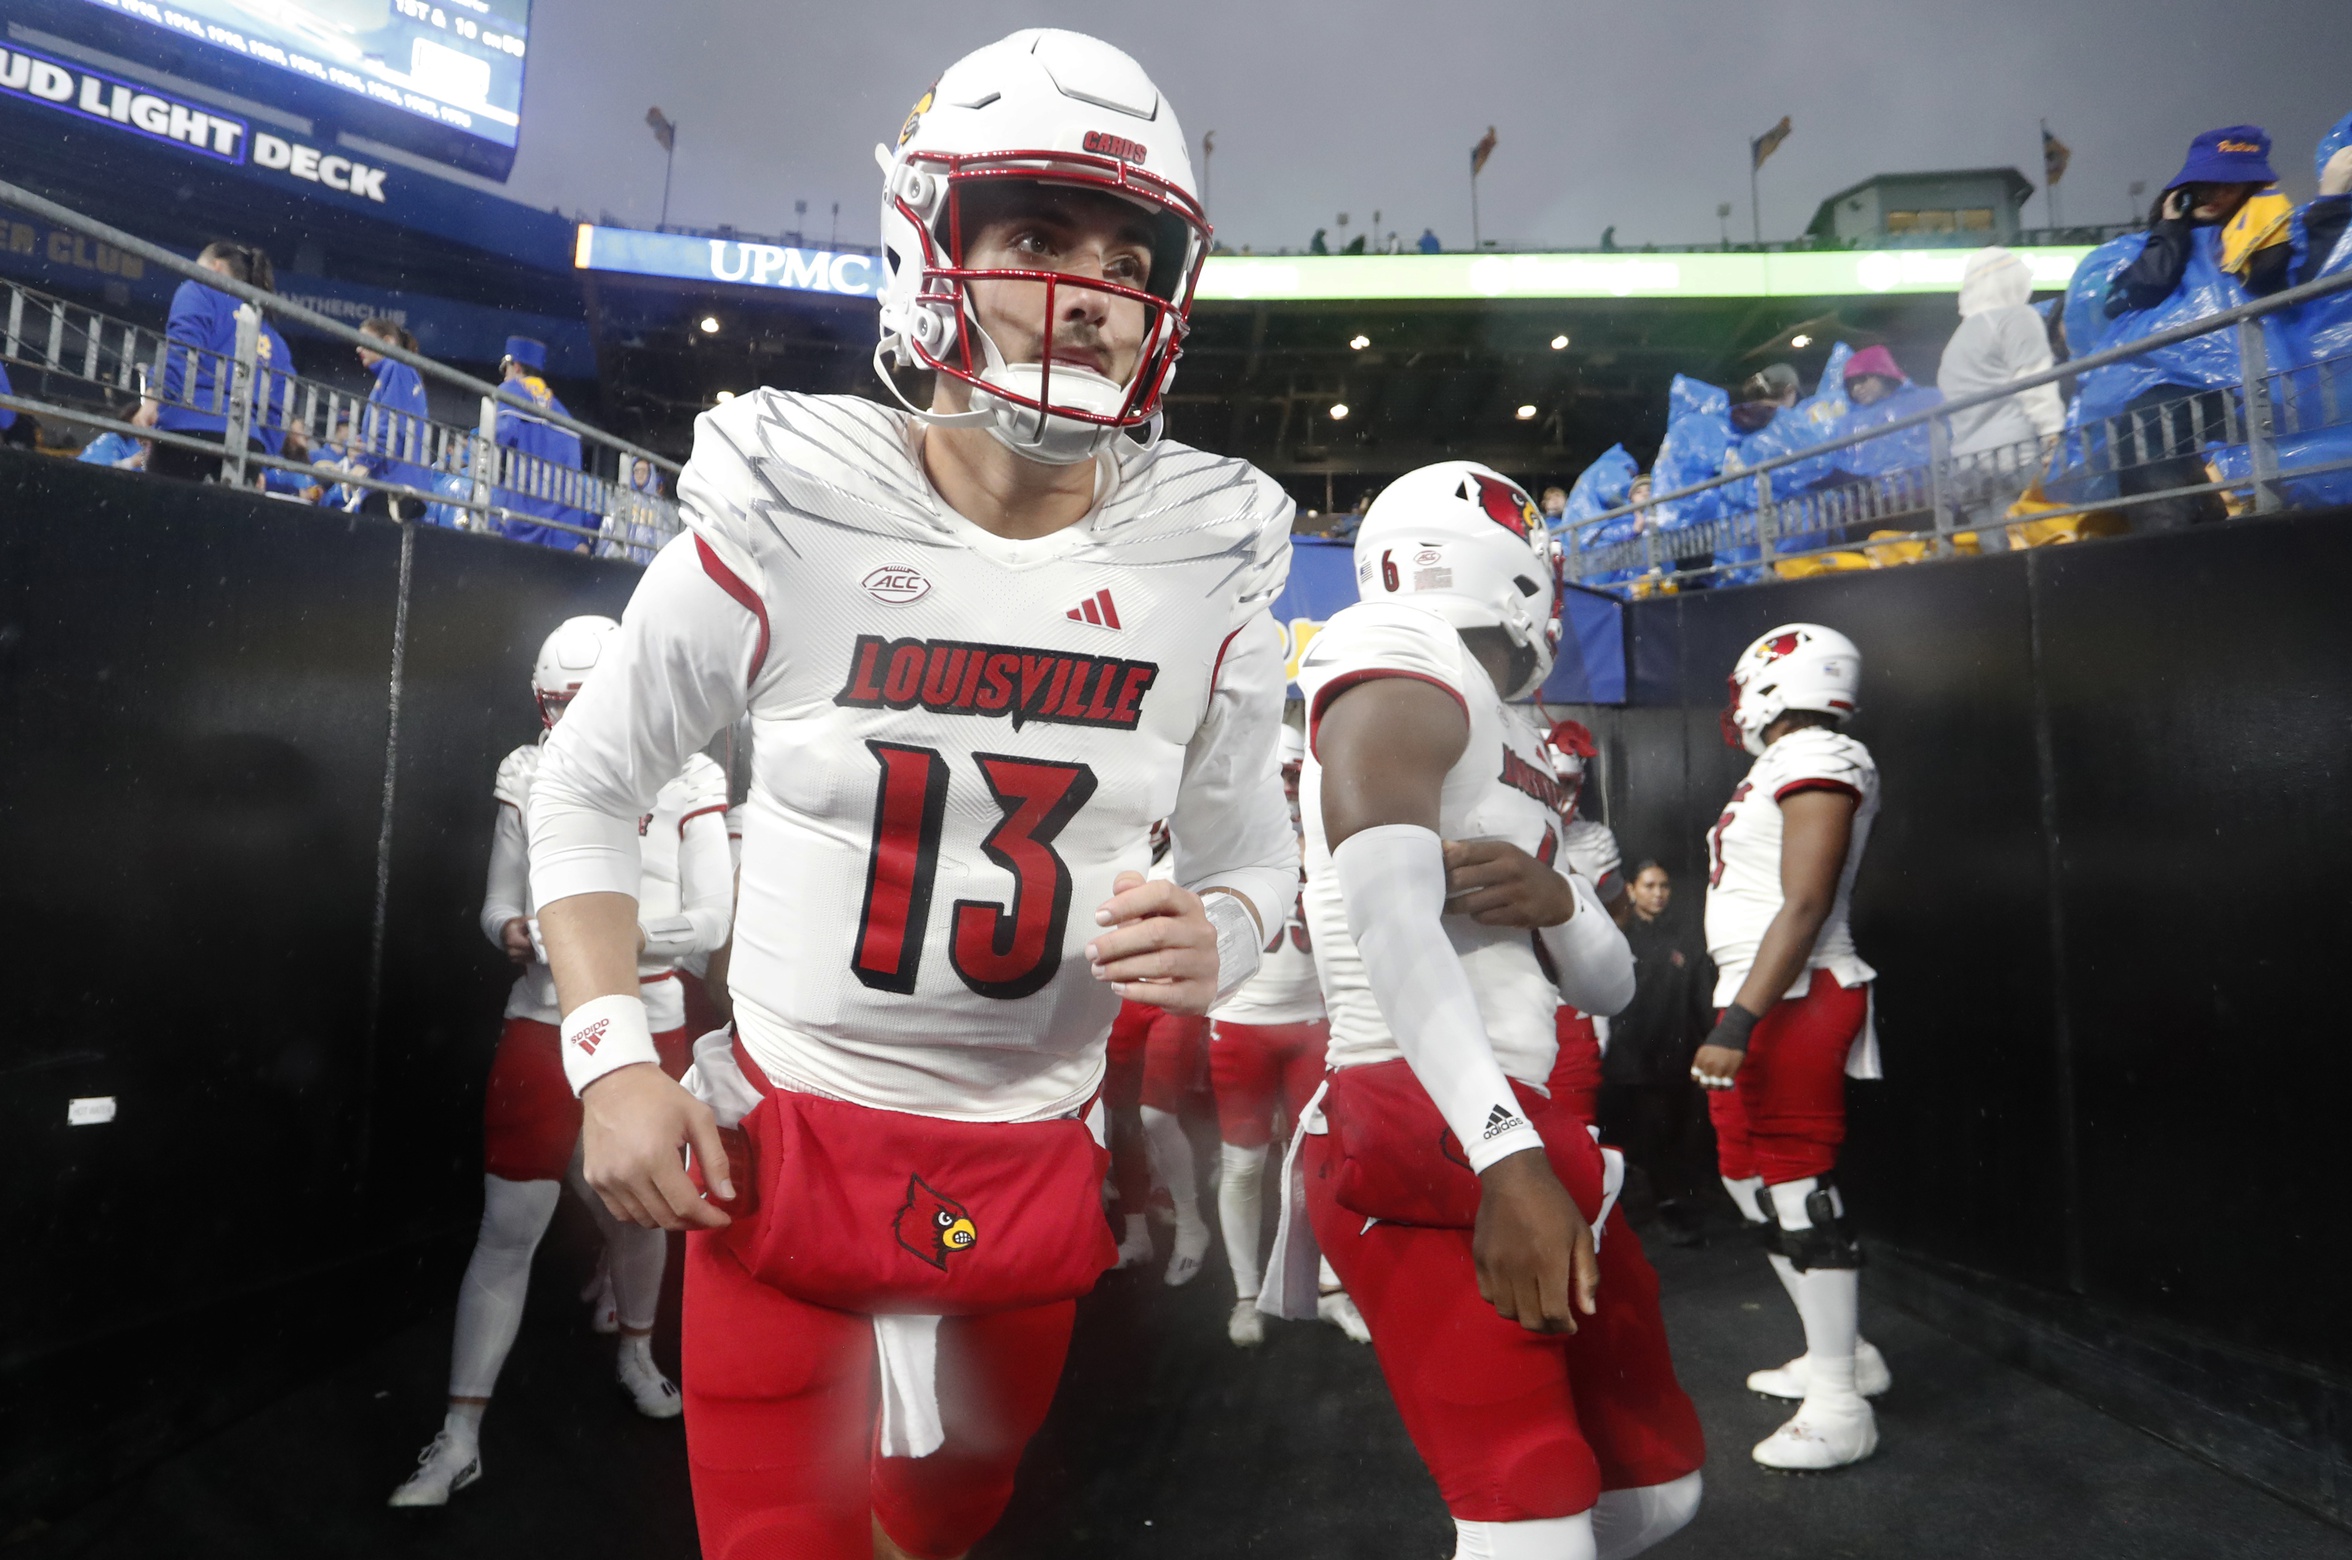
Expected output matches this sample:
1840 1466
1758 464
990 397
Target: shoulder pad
515 772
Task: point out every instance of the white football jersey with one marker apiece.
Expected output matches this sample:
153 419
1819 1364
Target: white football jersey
1743 857
1502 788
1286 989
958 741
698 793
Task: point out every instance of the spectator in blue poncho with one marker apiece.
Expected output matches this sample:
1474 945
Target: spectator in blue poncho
7 416
394 426
192 397
556 451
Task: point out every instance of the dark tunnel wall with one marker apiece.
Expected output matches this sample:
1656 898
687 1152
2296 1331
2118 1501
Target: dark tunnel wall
196 715
2106 901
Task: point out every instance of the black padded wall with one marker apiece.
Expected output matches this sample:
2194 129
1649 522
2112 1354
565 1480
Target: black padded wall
196 720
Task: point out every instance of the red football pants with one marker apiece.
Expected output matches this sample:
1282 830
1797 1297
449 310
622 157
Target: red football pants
1514 1425
530 1117
782 1420
1575 1083
1251 1065
1154 1058
1786 1115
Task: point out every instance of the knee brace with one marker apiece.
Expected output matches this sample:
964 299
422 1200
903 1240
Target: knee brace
1823 1240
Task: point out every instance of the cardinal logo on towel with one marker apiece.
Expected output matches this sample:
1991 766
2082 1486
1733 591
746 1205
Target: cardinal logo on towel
932 1226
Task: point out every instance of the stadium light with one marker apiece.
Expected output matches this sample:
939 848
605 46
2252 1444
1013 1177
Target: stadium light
710 324
724 396
1339 411
1560 342
1526 413
1800 341
1360 342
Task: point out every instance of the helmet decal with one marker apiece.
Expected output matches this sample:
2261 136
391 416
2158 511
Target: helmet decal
1781 644
914 118
1506 506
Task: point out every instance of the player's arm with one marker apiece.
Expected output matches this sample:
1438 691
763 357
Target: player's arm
706 888
1497 884
1816 828
509 881
1385 745
1187 945
675 674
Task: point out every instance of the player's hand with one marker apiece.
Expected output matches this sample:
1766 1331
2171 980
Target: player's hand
1160 947
1533 1248
635 1121
1716 1066
1495 883
515 938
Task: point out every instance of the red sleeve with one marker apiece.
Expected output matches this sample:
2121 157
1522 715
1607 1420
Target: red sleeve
1818 783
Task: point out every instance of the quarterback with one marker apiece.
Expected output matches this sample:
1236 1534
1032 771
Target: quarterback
983 643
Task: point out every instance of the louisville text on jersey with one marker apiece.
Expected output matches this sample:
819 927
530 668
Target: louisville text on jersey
1534 779
955 678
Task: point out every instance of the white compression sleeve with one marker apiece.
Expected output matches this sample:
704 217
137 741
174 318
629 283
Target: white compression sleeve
508 883
1392 881
1626 1522
633 1257
490 1298
1542 1538
1241 1211
706 894
1594 961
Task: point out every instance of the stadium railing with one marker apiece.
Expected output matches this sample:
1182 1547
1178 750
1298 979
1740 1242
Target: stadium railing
84 360
2257 441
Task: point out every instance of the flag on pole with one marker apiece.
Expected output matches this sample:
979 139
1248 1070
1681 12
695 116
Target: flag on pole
1768 143
2055 156
1482 151
665 130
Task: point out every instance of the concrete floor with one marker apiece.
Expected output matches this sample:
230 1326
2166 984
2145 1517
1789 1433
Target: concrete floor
1168 1442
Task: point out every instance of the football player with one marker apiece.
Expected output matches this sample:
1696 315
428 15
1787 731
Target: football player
1456 1200
1589 847
530 1119
1266 1047
984 643
1794 1016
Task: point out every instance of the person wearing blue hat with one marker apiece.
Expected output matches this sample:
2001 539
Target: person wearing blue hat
556 451
2222 172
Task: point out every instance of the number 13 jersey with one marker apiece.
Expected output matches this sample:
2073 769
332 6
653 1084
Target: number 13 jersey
959 741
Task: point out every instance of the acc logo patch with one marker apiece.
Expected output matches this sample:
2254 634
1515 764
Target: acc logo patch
1507 507
933 1226
897 584
914 118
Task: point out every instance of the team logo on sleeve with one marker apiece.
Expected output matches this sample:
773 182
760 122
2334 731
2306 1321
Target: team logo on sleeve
934 1226
1015 681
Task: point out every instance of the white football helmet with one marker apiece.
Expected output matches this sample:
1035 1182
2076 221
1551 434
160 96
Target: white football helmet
1568 745
565 661
1797 666
1044 107
1466 542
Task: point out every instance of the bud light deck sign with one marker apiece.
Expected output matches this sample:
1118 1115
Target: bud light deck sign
92 94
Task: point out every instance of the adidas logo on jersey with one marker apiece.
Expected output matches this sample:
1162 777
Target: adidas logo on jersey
1023 684
1096 609
1501 1120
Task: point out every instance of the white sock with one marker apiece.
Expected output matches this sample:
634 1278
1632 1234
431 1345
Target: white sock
463 1424
1744 1193
638 1345
1240 1211
1326 1277
1170 1153
490 1298
1829 1301
1543 1538
633 1256
1626 1522
1138 1231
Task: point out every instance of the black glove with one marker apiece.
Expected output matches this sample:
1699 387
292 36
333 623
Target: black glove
1732 1027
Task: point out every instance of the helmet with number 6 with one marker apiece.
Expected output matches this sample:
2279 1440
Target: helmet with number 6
1051 108
565 661
1466 542
1797 666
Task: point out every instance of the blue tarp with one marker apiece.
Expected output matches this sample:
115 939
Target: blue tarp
1591 664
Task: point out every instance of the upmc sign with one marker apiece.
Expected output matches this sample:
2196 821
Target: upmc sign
194 127
633 252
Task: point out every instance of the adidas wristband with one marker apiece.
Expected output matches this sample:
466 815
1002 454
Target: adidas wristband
1392 882
605 1034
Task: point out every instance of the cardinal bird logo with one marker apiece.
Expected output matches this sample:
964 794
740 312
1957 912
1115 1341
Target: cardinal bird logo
1782 644
932 1226
1507 507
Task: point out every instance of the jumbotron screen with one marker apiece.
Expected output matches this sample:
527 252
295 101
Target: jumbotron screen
456 65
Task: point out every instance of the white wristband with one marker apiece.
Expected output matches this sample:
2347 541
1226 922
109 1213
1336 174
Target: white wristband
1237 941
605 1034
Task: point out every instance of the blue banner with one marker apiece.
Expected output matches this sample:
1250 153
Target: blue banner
737 262
1591 664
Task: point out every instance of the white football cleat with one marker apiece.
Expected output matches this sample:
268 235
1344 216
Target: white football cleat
655 1395
1871 1376
1190 1251
1246 1327
1826 1432
1135 1248
1337 1309
443 1467
604 1316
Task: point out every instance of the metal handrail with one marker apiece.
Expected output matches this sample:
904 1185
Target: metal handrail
2238 315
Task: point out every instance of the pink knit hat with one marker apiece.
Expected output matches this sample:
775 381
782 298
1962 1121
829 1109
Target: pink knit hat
1873 360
